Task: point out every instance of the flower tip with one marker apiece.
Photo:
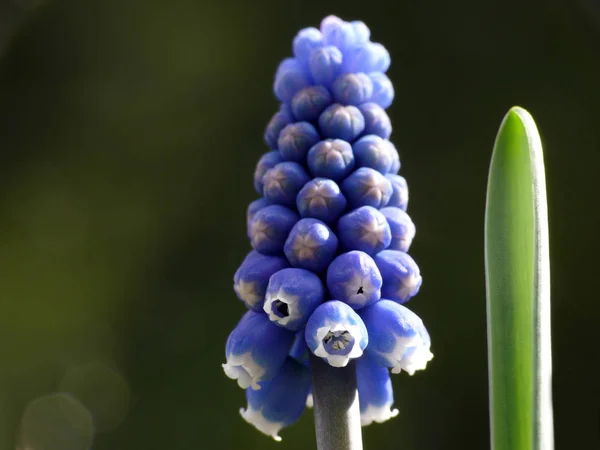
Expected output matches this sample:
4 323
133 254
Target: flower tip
378 414
255 418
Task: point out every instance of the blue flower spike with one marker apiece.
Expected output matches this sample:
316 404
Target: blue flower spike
328 271
364 229
280 402
321 198
401 276
292 295
331 158
375 392
295 140
336 333
402 228
397 337
252 278
311 245
354 278
367 187
399 198
270 227
256 350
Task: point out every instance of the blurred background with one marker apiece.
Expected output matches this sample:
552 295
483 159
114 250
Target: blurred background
129 131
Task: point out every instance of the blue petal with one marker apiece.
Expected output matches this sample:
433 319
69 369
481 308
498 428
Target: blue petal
398 338
361 32
299 349
326 65
282 182
383 90
256 350
270 228
279 120
375 392
307 40
311 245
336 334
367 187
374 152
251 279
403 229
354 278
280 402
310 102
331 158
352 89
376 120
341 122
296 139
399 197
401 275
364 229
292 295
266 162
289 79
322 199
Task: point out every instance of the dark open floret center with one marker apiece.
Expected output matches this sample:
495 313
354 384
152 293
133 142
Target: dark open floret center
338 342
360 290
280 308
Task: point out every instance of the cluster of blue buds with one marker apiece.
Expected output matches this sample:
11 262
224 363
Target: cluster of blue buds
329 271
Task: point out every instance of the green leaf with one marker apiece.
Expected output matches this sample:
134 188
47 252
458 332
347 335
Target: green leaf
518 289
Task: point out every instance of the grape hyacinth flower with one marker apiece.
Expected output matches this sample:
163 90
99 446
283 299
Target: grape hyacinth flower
328 269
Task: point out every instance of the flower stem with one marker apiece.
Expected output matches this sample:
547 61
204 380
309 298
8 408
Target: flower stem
336 410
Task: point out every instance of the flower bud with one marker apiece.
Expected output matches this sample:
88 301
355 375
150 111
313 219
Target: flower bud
331 158
270 228
400 273
399 198
354 278
364 229
321 198
377 121
311 245
266 162
341 122
374 152
367 187
352 89
326 64
310 102
402 228
295 140
289 79
282 183
383 90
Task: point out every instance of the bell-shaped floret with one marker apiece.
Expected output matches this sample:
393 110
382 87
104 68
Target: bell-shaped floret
383 90
256 350
341 122
307 40
280 402
367 187
402 228
282 183
310 102
354 278
270 228
336 333
377 121
331 158
321 198
326 64
290 78
279 120
311 245
398 338
375 392
292 295
295 140
352 89
399 198
401 276
252 278
364 229
374 152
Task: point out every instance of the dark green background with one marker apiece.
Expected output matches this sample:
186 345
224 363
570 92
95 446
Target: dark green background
128 135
